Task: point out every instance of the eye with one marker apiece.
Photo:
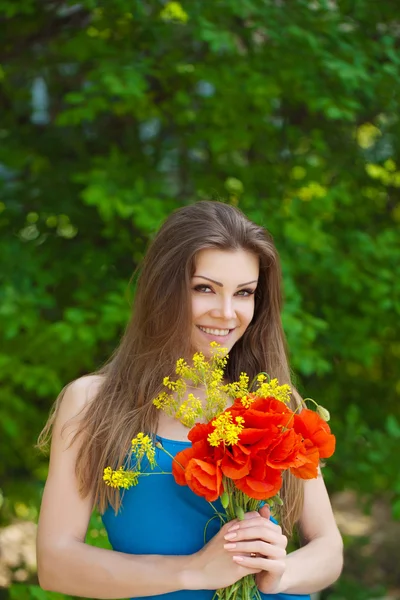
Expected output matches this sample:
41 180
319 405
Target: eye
203 288
245 293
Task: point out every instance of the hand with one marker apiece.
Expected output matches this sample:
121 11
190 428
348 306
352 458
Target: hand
213 567
257 534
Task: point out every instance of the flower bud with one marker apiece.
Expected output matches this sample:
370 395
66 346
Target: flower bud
323 413
239 512
225 499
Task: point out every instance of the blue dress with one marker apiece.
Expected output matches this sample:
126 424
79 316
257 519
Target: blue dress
158 516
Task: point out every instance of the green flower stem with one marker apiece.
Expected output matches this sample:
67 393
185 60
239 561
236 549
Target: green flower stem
310 400
246 588
140 473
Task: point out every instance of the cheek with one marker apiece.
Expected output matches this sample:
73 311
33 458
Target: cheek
247 313
199 306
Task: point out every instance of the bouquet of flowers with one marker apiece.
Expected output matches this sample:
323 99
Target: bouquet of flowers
241 450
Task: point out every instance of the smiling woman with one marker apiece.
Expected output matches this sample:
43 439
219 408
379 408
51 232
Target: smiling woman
222 307
210 274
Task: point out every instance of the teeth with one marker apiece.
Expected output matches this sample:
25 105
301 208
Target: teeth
220 332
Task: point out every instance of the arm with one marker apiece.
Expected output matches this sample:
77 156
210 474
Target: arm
319 563
65 562
67 565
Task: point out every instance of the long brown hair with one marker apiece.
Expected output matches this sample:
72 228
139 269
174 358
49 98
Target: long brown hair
157 335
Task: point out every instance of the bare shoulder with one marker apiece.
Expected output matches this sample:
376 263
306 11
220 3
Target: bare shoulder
84 389
76 398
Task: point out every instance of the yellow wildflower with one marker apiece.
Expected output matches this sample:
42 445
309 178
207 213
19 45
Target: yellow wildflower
247 401
199 361
243 380
218 350
238 389
189 411
209 374
273 389
215 403
181 367
120 478
217 375
226 431
171 385
162 401
178 386
142 445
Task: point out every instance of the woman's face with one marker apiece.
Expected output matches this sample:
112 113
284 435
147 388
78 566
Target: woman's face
222 291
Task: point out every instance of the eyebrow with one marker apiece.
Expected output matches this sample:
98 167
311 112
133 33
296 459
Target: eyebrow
222 285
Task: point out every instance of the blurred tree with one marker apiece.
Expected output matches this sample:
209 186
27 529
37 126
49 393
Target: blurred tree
114 113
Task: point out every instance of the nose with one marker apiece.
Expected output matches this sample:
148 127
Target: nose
224 309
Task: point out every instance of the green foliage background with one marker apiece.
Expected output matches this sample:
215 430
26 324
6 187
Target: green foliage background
288 109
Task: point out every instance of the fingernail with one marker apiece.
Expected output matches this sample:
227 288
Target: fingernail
233 528
238 558
229 546
230 536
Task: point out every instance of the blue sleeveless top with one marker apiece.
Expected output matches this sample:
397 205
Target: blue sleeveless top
158 516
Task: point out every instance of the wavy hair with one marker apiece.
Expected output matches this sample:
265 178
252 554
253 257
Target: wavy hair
158 334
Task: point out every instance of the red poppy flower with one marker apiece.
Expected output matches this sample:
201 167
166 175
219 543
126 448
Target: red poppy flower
269 405
310 458
262 482
236 461
260 432
204 479
200 431
180 463
201 450
285 451
272 440
312 427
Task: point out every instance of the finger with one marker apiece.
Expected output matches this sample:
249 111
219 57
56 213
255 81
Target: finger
248 571
276 567
259 547
265 511
251 515
230 525
256 522
264 534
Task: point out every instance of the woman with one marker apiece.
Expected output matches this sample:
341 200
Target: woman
210 274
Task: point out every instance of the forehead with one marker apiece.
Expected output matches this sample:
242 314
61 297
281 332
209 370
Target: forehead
227 264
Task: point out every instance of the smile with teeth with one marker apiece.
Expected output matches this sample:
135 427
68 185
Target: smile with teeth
220 332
